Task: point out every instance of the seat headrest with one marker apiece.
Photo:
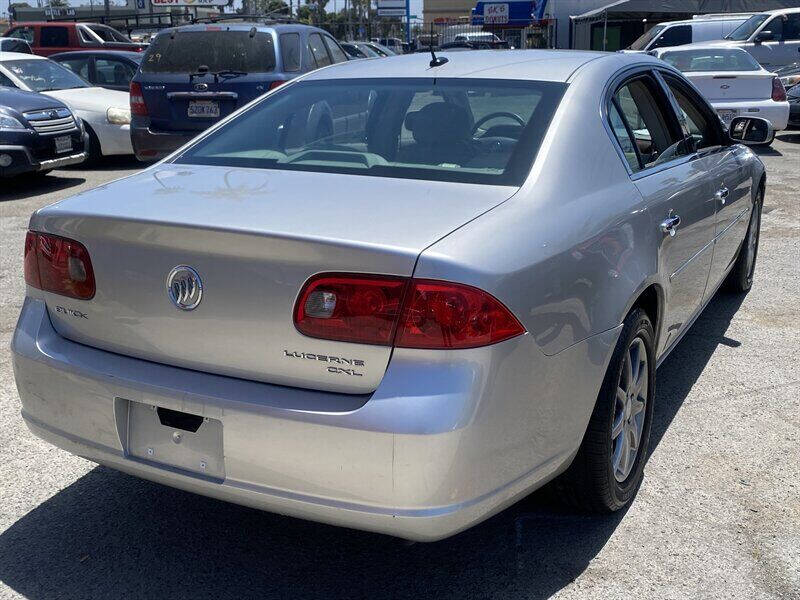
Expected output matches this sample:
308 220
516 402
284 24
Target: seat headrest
439 122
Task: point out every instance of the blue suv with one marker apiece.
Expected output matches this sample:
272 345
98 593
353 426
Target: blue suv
193 76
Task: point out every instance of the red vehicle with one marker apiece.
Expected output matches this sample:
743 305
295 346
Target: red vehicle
49 37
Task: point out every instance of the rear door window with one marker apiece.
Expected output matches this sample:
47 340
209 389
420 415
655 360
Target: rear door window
110 71
54 37
291 52
791 27
79 66
696 119
318 51
185 51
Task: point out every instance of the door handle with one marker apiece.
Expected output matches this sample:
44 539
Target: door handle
722 194
670 224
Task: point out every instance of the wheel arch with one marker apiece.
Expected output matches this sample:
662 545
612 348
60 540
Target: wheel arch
650 298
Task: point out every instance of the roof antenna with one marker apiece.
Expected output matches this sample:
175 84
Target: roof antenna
436 61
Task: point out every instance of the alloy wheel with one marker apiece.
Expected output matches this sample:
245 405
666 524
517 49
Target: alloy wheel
629 410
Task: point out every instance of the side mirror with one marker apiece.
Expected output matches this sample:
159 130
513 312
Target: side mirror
751 131
764 36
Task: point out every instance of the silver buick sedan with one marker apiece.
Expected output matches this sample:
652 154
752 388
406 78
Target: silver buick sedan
395 295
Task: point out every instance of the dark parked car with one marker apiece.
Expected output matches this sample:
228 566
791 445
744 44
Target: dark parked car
193 76
112 69
794 106
37 133
48 38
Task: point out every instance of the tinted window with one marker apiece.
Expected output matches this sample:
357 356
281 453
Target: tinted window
353 51
318 51
4 80
711 60
776 27
791 27
674 36
694 115
185 51
113 72
411 128
77 65
642 108
54 37
23 33
290 51
336 52
44 75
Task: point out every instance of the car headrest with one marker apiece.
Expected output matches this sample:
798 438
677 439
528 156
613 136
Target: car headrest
439 122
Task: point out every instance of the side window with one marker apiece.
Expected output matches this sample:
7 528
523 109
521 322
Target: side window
674 36
110 71
791 27
79 66
336 52
624 137
693 116
54 37
290 51
85 36
642 108
4 80
318 51
22 33
776 27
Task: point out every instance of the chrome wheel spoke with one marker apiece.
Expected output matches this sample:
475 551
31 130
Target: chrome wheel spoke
637 406
630 404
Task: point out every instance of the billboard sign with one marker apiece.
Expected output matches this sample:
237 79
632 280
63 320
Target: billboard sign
495 13
189 2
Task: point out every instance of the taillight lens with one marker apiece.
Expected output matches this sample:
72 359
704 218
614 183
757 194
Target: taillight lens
276 83
138 106
408 313
440 314
58 265
778 91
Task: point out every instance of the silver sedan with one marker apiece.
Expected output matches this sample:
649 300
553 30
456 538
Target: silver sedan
395 295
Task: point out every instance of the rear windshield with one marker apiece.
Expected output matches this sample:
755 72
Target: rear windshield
185 51
464 130
711 60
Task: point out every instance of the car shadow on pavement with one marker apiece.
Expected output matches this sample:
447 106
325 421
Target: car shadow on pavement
28 186
791 138
109 535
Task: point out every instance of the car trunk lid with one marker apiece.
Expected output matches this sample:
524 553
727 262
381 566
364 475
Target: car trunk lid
732 86
254 237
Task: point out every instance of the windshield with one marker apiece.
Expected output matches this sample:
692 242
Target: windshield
646 37
185 51
746 29
107 34
711 60
44 75
464 130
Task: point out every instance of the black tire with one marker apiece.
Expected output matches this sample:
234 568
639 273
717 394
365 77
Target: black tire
590 484
95 152
740 279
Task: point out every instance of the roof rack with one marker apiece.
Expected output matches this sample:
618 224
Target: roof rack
267 18
129 22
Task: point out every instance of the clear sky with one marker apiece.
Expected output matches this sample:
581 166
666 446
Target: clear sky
416 5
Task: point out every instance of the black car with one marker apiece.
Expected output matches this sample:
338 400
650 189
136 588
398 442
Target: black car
112 69
794 106
37 133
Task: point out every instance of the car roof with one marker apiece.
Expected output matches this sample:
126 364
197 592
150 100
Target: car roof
4 56
541 65
708 20
122 53
245 26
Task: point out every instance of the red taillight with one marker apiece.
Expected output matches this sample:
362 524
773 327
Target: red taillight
138 106
439 314
408 313
778 91
276 83
58 265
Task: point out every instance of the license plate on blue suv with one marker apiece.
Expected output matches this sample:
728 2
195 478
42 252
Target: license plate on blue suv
203 108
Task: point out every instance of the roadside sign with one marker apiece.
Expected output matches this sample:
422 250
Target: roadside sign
495 13
189 2
391 4
391 12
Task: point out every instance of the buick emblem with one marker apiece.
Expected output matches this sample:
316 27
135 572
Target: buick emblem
185 288
724 86
200 87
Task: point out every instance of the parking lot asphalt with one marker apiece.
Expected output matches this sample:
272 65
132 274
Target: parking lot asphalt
718 515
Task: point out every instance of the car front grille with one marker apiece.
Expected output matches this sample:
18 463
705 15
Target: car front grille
51 121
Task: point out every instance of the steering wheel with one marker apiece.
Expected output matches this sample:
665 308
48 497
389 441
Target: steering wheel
494 115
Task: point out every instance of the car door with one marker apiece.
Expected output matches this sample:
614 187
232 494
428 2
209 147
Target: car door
730 182
113 73
677 192
782 47
80 65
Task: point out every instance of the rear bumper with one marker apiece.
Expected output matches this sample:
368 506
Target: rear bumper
439 446
22 161
777 113
150 145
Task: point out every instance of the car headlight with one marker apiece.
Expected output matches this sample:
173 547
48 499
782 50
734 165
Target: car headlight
119 116
7 122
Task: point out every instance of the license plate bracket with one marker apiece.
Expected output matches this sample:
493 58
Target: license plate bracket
175 439
63 144
203 109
